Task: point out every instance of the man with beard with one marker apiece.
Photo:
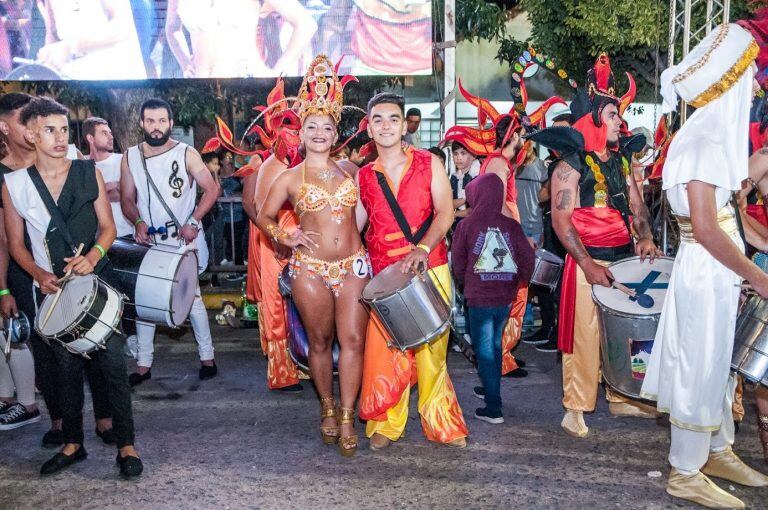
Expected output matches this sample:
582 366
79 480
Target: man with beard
176 170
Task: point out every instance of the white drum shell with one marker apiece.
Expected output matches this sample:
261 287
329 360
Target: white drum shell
166 286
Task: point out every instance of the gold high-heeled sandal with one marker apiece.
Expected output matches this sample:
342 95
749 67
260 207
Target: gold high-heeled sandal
762 425
347 444
329 433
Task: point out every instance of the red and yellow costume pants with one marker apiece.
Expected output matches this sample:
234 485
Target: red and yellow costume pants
388 375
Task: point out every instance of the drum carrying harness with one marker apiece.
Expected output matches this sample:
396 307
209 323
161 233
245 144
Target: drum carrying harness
413 237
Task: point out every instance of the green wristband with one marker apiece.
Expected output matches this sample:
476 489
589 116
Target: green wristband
138 220
101 250
4 292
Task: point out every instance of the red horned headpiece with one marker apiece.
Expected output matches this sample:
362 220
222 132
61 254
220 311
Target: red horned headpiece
279 133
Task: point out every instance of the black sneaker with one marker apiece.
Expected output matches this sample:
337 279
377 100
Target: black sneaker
482 413
293 388
17 416
479 392
53 438
517 373
537 337
4 406
550 346
208 371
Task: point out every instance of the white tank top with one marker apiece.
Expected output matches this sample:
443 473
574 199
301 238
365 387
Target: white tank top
110 172
178 189
30 206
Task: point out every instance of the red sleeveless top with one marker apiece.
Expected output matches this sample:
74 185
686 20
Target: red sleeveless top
385 241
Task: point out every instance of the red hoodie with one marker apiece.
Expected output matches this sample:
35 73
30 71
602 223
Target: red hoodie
490 255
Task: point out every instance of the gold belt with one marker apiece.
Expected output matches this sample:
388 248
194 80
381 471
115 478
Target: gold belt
726 219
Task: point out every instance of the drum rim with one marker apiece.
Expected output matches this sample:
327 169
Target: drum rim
170 312
372 300
81 315
628 315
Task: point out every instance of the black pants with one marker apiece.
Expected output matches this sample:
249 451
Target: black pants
108 364
48 374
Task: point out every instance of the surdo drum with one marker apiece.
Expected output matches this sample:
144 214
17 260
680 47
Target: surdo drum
298 341
750 350
83 317
160 282
546 271
409 306
627 330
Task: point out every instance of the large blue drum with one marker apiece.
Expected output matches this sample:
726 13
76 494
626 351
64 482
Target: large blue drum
298 343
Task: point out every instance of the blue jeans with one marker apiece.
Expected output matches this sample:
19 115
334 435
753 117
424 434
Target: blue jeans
486 325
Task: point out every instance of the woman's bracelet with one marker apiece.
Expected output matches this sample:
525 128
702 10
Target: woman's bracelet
276 232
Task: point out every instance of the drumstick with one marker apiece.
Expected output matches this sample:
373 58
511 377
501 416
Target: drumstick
58 292
643 300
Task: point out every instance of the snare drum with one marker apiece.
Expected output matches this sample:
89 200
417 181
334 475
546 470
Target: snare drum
547 270
298 342
627 330
15 332
84 316
160 282
409 306
750 350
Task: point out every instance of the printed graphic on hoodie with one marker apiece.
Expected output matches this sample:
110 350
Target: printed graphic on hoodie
495 259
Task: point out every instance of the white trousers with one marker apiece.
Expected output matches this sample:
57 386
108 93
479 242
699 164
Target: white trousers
198 316
690 449
17 376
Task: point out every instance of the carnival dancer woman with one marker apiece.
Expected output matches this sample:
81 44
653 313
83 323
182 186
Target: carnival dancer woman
329 266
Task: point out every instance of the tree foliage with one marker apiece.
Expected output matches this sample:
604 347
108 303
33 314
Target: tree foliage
634 33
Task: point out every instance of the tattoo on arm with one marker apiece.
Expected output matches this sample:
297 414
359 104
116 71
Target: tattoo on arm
563 199
564 171
572 242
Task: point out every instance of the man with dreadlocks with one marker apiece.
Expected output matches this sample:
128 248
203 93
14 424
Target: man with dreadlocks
597 210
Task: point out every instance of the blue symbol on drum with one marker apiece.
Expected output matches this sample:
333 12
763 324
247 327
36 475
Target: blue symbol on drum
646 284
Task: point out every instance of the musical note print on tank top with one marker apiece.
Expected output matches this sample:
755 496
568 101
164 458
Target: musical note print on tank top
174 181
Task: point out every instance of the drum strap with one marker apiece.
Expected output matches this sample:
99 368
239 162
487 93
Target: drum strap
56 216
737 213
157 191
399 215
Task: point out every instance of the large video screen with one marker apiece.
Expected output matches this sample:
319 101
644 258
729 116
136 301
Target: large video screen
145 39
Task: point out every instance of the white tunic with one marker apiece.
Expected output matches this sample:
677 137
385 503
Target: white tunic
688 369
110 172
30 206
179 191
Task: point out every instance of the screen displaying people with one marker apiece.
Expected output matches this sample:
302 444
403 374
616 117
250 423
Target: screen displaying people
140 39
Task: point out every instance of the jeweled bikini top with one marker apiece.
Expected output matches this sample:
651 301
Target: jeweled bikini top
314 198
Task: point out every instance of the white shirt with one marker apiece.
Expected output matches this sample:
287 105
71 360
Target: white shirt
110 172
178 189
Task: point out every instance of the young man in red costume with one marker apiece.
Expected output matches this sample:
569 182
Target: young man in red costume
280 135
423 192
594 197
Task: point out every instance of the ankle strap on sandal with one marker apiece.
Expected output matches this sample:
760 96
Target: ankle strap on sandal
347 415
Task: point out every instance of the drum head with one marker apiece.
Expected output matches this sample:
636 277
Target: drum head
548 256
184 287
631 272
387 282
76 297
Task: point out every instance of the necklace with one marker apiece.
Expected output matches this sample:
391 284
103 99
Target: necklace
325 175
